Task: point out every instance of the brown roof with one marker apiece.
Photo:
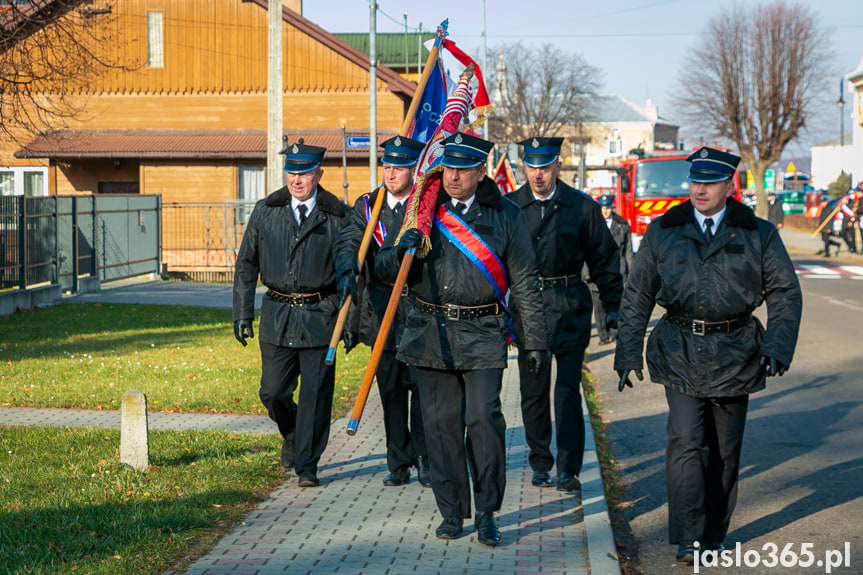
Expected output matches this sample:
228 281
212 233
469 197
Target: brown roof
183 144
395 82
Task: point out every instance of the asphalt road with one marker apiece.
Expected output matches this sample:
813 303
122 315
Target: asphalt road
802 461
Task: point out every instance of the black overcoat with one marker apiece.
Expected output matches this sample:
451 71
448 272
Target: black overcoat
290 260
744 265
446 276
572 233
373 293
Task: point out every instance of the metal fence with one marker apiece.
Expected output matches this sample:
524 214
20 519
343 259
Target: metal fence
200 241
61 239
28 241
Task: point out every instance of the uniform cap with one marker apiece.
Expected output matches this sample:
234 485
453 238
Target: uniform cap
301 158
465 151
401 151
540 152
711 165
605 201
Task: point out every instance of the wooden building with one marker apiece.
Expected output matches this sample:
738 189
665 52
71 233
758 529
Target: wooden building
187 115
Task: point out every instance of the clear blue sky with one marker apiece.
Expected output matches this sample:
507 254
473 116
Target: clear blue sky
638 45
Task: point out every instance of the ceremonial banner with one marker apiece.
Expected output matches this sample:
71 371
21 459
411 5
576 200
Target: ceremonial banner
503 176
423 198
481 103
431 106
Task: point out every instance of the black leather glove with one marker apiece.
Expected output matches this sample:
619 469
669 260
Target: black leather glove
772 366
347 287
611 320
412 238
350 339
624 378
537 361
242 330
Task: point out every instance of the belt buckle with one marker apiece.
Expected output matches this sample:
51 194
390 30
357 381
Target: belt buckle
698 327
297 299
405 290
453 312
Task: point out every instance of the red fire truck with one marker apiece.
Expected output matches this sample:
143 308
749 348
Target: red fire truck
648 183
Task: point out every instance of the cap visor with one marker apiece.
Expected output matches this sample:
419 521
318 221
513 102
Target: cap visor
400 162
299 168
707 178
450 162
538 161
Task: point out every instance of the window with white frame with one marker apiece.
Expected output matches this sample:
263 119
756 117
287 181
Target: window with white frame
24 181
250 189
155 40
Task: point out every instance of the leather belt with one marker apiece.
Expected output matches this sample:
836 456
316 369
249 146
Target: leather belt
457 312
701 327
301 299
559 281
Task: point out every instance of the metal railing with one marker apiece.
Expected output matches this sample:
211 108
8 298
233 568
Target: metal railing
28 241
61 239
200 241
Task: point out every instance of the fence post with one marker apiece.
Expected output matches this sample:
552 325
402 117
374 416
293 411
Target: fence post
22 246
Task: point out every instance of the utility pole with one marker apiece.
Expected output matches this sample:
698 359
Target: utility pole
373 97
407 60
842 111
275 169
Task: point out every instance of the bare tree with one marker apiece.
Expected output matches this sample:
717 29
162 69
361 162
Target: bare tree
49 51
754 80
546 91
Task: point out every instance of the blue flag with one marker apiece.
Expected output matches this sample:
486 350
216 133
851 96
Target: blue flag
431 106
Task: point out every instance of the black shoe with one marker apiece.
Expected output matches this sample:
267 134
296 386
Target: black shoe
423 471
308 479
605 340
487 532
686 552
399 477
450 528
713 546
541 479
568 482
288 447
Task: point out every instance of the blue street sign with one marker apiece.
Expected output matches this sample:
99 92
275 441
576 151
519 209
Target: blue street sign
352 142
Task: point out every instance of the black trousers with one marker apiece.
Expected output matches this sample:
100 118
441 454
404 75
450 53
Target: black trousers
403 422
702 462
599 315
309 417
464 427
569 416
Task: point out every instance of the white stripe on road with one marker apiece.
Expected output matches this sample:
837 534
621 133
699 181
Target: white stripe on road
818 270
854 270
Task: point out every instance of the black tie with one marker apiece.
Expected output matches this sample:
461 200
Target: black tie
708 229
543 205
302 209
397 210
460 208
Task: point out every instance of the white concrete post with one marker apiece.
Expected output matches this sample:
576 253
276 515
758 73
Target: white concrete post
134 435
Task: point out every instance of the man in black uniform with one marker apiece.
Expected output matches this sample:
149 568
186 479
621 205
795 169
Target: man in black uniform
288 243
403 424
568 231
622 235
710 263
456 333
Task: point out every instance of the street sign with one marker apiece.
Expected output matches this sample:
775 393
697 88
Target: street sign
354 142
